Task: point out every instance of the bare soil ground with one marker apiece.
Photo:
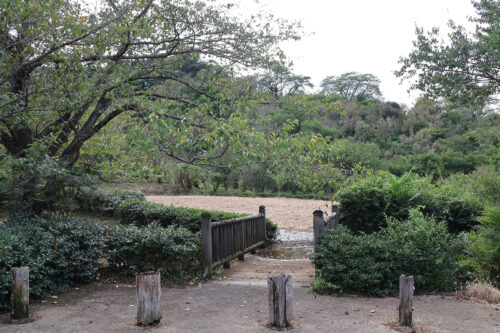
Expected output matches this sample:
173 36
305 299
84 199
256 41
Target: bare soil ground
222 307
255 270
287 213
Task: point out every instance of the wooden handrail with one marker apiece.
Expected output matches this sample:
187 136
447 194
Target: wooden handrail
223 241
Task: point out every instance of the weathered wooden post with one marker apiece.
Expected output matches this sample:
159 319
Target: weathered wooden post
148 290
20 294
262 210
206 242
280 301
335 209
318 225
406 288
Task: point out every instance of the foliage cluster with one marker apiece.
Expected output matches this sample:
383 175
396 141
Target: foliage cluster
59 252
131 207
63 252
174 251
485 247
366 203
103 201
143 213
371 263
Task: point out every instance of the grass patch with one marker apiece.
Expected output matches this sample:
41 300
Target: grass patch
481 291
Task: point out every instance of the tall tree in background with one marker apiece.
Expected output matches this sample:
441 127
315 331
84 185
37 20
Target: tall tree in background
66 72
280 82
350 85
465 69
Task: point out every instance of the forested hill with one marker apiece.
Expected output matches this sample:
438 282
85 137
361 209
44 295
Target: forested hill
354 135
428 138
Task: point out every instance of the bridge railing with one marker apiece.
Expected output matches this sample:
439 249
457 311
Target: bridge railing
223 241
321 225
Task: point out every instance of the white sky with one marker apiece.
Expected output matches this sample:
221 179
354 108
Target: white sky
366 36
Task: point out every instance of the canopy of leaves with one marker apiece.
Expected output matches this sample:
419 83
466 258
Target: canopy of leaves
465 69
350 85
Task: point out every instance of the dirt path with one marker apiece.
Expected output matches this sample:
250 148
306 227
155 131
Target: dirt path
288 213
221 307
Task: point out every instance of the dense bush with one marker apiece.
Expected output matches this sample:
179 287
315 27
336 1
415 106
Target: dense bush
104 201
173 250
365 204
63 252
485 247
143 213
59 253
371 263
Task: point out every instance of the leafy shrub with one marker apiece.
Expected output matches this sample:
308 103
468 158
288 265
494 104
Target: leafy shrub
143 213
365 204
271 230
60 253
172 250
485 246
105 201
371 263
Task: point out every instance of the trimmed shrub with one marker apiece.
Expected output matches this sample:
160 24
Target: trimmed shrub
173 250
63 252
371 263
104 201
60 253
143 213
365 204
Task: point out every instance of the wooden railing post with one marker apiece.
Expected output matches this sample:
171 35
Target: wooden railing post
406 288
280 301
335 209
262 210
148 289
20 294
318 224
206 242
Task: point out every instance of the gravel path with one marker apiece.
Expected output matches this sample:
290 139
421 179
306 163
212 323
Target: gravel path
288 213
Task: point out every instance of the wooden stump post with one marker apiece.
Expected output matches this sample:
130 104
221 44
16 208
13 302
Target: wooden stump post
206 242
335 209
148 289
262 210
280 301
20 294
318 225
406 288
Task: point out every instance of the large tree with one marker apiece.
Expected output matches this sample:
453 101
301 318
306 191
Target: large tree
465 69
281 82
352 84
66 71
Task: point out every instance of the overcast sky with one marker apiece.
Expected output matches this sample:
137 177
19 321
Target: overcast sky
366 36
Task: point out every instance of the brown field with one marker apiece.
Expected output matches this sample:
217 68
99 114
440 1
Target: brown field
288 213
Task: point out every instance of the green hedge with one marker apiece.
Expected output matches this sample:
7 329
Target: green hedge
372 263
365 204
63 252
59 253
175 251
143 213
104 201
